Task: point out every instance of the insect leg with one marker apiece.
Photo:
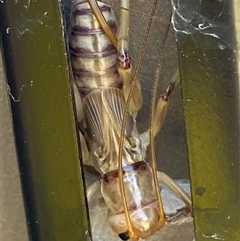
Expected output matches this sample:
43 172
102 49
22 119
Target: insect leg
92 189
177 190
157 117
124 65
163 103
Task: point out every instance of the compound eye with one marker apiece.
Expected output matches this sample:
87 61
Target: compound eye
124 236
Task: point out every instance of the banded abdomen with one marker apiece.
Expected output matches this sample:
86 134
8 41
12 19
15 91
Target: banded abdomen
93 56
94 63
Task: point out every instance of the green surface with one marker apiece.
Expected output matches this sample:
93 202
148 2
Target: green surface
210 83
45 131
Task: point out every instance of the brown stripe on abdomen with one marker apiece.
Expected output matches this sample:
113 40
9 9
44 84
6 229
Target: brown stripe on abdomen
93 56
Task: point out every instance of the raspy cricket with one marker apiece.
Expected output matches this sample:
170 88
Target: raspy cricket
108 98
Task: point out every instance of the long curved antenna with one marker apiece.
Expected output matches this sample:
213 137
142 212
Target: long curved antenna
143 47
151 129
124 16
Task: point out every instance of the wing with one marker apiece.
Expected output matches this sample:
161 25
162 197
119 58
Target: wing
97 127
95 119
114 104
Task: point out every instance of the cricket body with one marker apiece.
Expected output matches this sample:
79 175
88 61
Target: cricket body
108 98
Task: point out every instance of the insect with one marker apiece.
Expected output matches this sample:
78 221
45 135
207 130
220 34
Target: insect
108 98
